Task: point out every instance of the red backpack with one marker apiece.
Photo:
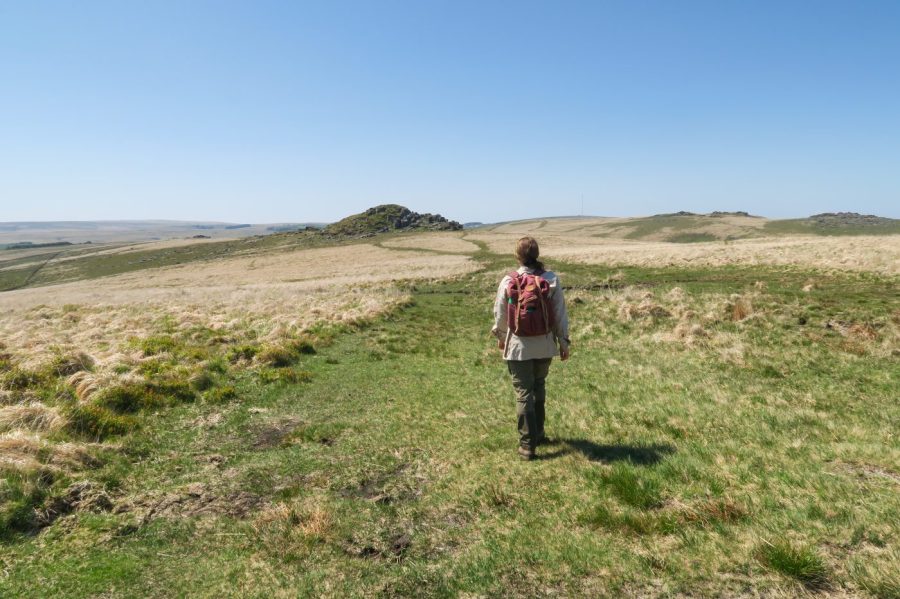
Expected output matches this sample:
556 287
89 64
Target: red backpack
528 309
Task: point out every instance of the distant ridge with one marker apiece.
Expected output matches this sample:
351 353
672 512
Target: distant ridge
103 231
389 217
692 227
716 213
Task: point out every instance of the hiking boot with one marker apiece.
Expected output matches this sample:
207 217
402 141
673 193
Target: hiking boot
525 453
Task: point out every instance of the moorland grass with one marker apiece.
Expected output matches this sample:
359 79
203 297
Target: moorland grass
392 471
797 561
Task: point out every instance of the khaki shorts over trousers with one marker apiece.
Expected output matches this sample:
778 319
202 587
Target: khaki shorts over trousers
528 378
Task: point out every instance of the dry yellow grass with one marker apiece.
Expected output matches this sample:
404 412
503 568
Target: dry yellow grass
25 452
617 228
34 417
272 295
438 242
879 254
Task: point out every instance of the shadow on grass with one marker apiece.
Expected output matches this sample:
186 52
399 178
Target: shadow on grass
642 455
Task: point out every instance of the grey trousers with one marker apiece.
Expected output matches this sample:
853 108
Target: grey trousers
528 377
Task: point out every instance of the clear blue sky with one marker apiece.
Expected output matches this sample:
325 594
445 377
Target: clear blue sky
482 111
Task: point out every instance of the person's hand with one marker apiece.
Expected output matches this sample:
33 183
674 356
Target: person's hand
564 354
501 344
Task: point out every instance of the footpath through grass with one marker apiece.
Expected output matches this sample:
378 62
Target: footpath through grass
751 452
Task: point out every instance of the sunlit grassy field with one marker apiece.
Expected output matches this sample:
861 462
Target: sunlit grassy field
721 430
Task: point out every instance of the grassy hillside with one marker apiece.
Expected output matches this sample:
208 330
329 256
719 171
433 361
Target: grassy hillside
719 431
79 262
686 227
836 224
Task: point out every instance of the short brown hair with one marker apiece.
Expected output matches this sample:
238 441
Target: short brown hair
527 252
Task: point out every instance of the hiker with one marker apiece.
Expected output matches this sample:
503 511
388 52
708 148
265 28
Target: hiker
530 320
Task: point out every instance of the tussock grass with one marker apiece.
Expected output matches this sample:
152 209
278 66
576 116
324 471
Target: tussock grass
98 423
800 562
223 394
16 378
67 365
31 416
270 376
276 356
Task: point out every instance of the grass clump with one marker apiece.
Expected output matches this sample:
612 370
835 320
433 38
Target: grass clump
302 347
69 364
284 375
637 491
643 523
133 397
157 344
241 353
97 422
285 354
277 356
801 562
30 416
19 497
17 379
203 379
172 391
222 394
127 398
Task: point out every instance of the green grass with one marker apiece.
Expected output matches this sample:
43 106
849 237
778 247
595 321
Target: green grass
801 562
389 466
811 226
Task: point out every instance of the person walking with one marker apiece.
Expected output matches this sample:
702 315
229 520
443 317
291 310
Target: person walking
532 327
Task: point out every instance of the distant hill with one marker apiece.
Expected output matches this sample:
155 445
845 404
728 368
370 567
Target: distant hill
41 232
689 227
837 223
684 227
387 218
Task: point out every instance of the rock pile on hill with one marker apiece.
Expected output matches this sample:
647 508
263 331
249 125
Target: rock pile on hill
390 217
841 219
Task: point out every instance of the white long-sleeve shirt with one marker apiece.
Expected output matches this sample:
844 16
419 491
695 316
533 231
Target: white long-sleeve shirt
540 346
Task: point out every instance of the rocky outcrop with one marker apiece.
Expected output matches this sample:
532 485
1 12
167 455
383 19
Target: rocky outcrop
843 219
390 217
